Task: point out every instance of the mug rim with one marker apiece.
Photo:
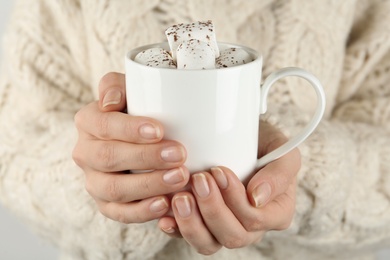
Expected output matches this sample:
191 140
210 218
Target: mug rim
130 55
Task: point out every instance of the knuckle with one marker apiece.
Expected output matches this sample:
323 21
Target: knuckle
89 188
103 210
145 184
116 215
128 128
102 125
81 117
78 156
112 190
78 118
122 218
106 155
255 223
142 156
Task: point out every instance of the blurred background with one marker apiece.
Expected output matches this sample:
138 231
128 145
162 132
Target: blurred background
17 242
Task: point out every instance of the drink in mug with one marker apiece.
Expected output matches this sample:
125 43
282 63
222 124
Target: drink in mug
214 111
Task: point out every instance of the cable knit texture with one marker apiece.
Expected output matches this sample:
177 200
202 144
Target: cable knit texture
56 52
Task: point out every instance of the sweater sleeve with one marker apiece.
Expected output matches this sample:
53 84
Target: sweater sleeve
44 81
343 202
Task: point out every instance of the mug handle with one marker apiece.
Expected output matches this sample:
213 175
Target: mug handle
309 128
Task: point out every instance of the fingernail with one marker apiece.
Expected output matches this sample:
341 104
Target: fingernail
201 185
220 177
261 194
148 131
174 176
183 206
169 230
172 154
112 97
158 205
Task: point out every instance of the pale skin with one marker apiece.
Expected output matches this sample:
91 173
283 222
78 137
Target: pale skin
211 209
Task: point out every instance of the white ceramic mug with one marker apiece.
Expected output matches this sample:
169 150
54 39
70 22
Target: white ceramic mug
213 113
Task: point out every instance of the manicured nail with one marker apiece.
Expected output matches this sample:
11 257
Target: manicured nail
183 206
172 154
174 176
169 230
148 131
112 97
220 177
201 185
158 205
261 194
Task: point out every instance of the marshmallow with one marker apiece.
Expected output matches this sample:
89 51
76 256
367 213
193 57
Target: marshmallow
195 54
203 31
193 46
155 57
232 57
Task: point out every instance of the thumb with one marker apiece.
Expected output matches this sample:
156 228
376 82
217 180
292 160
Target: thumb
274 179
112 92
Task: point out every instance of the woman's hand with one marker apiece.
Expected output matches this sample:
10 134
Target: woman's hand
111 143
222 212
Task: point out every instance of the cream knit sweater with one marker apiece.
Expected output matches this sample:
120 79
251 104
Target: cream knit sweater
56 52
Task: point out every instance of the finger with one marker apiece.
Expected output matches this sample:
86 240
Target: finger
274 179
277 214
219 219
235 197
169 226
112 92
117 126
135 212
115 156
191 225
283 208
121 188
